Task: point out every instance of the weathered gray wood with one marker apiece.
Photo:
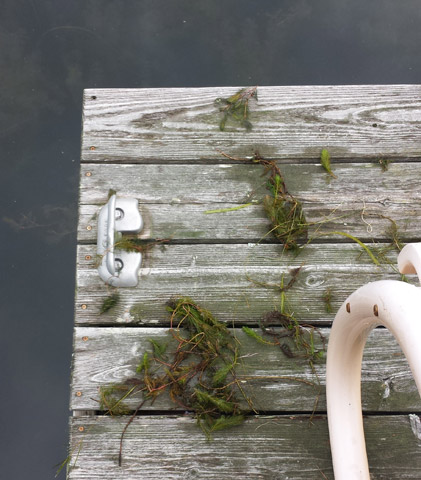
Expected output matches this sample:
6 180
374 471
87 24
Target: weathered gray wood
107 356
188 222
176 208
163 124
264 448
168 256
224 279
163 147
245 181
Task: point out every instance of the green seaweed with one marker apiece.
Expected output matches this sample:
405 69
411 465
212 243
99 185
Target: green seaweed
221 374
327 300
252 334
110 302
231 209
384 163
222 422
284 211
395 245
159 349
236 108
144 364
133 244
111 192
112 399
197 365
394 236
374 259
282 328
301 337
206 401
194 375
325 162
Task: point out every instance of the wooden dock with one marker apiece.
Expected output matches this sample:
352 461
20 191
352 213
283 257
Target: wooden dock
164 148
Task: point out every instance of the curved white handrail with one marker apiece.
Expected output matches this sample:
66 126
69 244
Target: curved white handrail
397 306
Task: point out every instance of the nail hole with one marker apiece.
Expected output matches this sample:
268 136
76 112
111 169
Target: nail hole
348 307
93 97
376 310
374 125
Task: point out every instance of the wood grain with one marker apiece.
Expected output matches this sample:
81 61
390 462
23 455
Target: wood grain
108 356
173 124
174 200
243 182
264 448
237 283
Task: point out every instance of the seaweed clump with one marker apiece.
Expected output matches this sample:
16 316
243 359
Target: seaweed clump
301 336
196 368
283 210
236 107
280 328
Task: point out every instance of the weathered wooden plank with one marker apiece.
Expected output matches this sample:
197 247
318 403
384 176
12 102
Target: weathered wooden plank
264 448
188 222
227 292
106 356
176 208
168 256
225 279
141 125
243 182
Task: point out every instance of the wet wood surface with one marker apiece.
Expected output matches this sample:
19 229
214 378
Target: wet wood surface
163 147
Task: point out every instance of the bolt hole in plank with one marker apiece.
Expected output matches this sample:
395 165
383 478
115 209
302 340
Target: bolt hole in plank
242 217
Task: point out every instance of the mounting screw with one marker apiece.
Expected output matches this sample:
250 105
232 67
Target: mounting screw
83 306
348 307
88 174
88 227
81 429
92 148
78 394
87 257
376 310
85 339
119 214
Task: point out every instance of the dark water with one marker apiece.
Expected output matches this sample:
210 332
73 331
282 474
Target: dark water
51 50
